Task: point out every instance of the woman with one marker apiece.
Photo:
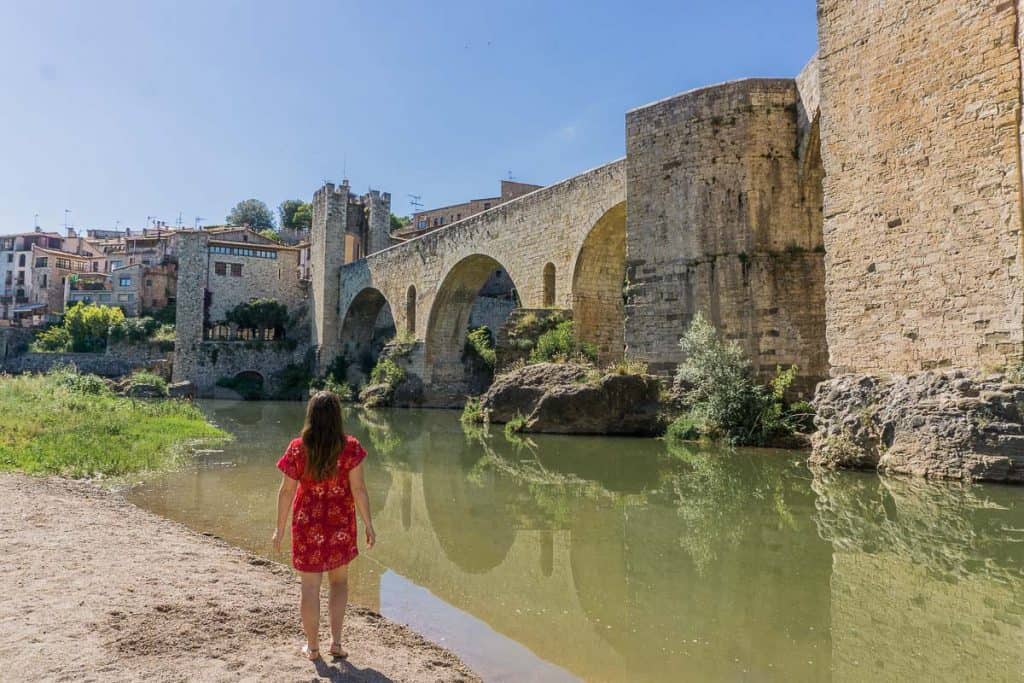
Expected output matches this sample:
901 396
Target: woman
323 485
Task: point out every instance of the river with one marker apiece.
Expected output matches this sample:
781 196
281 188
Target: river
554 558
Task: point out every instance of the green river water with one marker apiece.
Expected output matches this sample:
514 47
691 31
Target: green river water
608 559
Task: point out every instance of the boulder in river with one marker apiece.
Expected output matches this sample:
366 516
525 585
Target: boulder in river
942 425
564 398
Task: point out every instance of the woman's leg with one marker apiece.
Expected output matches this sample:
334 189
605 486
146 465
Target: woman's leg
338 581
310 607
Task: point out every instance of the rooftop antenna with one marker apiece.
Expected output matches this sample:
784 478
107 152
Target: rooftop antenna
344 165
198 218
35 221
67 212
416 202
178 222
510 176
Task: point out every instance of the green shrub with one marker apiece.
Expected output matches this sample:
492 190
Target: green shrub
724 395
388 372
480 343
686 427
55 339
343 390
68 377
516 425
560 345
86 328
293 382
89 325
135 330
474 412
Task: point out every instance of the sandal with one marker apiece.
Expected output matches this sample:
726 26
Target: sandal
338 651
310 653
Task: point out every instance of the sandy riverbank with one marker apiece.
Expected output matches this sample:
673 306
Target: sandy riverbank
94 588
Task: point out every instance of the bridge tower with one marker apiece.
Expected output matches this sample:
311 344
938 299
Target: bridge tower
327 254
378 233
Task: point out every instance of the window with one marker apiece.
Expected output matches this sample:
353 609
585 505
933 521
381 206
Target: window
149 283
238 251
125 282
220 268
41 262
21 260
10 258
44 280
147 262
487 205
236 270
63 263
124 297
115 264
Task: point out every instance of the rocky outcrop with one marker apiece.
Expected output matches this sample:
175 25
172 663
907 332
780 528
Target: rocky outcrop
561 399
406 394
943 425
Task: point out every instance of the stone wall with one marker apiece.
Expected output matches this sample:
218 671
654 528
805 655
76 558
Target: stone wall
491 312
92 363
261 278
920 104
214 360
724 218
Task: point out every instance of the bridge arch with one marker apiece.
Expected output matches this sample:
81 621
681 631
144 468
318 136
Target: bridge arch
455 305
367 326
598 277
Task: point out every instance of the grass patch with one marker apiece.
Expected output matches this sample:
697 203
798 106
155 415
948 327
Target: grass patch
628 366
144 377
474 412
515 426
560 345
73 425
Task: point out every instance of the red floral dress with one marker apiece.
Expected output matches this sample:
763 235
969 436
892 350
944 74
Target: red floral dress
323 512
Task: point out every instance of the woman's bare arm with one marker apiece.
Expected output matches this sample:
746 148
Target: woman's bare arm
362 500
285 496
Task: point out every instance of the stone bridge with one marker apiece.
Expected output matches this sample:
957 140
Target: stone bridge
562 246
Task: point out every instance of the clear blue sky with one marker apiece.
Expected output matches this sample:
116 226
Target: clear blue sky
122 110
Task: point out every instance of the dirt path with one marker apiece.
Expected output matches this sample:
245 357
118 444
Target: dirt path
94 588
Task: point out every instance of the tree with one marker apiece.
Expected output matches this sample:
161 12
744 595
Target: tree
270 234
89 325
295 214
399 222
303 218
251 212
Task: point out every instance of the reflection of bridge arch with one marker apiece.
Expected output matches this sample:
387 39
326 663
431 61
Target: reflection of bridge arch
368 324
474 541
597 281
449 317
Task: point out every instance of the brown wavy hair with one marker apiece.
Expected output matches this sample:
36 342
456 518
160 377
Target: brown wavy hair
323 435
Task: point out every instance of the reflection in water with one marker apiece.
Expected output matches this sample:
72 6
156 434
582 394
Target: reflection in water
620 559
